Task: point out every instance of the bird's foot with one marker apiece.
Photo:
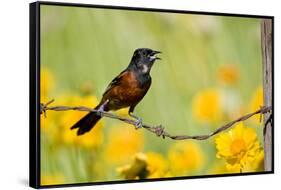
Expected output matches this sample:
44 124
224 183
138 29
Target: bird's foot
100 112
101 108
138 123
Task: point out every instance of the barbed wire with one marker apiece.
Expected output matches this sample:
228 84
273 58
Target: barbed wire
159 130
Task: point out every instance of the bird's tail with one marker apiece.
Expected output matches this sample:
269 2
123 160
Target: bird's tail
85 124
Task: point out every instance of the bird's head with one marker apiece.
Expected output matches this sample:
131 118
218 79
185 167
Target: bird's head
144 58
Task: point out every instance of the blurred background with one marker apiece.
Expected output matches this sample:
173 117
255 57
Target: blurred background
209 75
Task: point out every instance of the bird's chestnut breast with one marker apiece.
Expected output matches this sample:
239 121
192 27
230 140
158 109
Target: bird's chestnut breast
128 92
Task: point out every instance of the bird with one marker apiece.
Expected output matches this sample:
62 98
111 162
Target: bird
126 90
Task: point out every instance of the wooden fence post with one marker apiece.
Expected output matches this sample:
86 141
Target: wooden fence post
266 42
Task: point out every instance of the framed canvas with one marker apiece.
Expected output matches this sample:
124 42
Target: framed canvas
122 94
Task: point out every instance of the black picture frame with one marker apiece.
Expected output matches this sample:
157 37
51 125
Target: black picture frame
34 82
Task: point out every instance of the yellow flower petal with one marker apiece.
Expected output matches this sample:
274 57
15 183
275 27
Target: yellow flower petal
228 74
207 106
181 160
124 142
239 147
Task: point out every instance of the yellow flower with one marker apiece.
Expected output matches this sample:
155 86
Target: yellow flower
57 124
150 165
52 179
257 163
253 165
89 140
156 165
185 157
239 147
233 168
47 84
124 141
228 74
255 103
136 170
49 126
207 106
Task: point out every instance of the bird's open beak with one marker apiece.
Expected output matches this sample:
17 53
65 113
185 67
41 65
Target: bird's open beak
153 55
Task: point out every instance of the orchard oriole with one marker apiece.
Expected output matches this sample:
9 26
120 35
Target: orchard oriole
125 90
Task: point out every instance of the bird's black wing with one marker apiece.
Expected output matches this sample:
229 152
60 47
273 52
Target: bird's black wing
114 82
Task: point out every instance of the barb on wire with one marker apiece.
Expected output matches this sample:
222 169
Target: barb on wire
159 130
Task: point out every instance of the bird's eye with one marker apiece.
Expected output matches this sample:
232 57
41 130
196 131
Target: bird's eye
144 53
